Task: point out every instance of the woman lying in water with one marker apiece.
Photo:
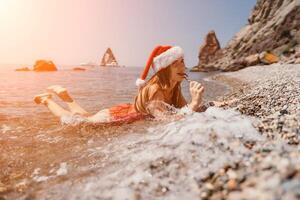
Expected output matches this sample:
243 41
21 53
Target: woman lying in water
164 86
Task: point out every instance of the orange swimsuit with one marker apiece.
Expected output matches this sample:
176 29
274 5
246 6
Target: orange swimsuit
125 113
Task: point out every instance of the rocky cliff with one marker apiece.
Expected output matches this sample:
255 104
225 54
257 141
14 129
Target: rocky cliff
273 26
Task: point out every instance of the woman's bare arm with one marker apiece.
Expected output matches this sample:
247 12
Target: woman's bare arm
196 90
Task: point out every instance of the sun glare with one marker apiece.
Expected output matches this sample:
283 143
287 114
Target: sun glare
7 8
4 4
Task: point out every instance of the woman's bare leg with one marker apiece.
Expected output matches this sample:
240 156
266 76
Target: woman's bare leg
63 94
76 108
56 109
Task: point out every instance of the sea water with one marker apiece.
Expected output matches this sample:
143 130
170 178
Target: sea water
39 153
165 160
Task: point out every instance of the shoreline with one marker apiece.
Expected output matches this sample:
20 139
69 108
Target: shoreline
212 155
265 92
234 86
271 94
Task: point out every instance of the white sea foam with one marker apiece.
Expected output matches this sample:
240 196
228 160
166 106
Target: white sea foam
49 139
4 128
40 178
37 177
63 169
174 155
73 120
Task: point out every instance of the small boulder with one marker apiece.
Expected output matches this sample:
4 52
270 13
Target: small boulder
195 69
235 65
297 61
268 58
203 68
252 60
241 63
44 66
24 69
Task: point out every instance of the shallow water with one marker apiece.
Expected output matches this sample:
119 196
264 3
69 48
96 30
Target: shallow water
38 152
162 160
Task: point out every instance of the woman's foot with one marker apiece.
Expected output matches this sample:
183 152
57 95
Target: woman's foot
42 98
61 92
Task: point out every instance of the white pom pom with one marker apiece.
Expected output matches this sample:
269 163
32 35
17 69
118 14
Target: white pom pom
140 82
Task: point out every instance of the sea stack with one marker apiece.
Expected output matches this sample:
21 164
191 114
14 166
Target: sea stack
207 51
271 35
44 66
209 48
109 59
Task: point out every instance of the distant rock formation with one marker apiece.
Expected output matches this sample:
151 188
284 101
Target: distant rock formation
44 66
208 51
78 69
88 64
273 28
209 48
24 69
109 59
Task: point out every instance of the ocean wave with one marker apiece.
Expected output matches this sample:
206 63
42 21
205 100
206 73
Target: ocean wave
174 156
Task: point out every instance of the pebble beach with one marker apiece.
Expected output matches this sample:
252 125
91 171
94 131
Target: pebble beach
271 94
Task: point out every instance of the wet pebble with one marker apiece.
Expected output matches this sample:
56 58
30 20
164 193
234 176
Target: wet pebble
274 171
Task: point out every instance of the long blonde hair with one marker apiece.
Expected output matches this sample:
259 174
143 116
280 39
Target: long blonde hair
162 79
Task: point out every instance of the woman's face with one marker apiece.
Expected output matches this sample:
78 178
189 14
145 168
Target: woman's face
178 70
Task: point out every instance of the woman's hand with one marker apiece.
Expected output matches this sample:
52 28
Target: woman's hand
196 90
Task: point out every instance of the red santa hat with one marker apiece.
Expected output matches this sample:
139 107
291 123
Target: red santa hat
161 57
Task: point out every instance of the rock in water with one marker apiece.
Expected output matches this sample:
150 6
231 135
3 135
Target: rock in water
109 59
44 66
209 48
24 69
273 26
78 69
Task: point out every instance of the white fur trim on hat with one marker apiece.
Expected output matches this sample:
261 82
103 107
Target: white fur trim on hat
167 58
140 82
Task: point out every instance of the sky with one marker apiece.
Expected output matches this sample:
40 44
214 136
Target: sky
70 32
